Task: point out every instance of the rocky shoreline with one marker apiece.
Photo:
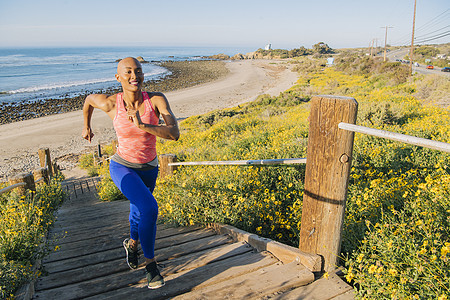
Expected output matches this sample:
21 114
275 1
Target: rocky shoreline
183 74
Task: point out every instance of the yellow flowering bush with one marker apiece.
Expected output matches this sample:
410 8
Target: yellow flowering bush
24 221
395 240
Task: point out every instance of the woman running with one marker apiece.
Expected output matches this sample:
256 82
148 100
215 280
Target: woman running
134 167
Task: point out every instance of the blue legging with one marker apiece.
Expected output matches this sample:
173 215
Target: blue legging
137 186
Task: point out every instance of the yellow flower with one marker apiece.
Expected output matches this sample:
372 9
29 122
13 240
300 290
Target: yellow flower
372 269
326 275
349 276
360 257
389 244
442 297
393 272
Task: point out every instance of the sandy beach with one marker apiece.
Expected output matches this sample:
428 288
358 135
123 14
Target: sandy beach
61 133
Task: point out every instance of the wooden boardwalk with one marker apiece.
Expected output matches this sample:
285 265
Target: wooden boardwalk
196 262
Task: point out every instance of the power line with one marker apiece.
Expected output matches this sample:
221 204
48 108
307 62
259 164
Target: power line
435 19
431 24
434 38
425 35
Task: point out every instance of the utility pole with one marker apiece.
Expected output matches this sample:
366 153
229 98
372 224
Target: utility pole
385 41
412 40
371 48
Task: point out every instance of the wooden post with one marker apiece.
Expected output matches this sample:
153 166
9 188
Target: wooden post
41 173
99 150
326 179
115 144
44 153
164 168
26 178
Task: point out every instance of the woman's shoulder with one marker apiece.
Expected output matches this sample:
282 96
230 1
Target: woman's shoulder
155 94
104 96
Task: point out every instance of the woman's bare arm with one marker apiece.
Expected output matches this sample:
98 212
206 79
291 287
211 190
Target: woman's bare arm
169 130
100 101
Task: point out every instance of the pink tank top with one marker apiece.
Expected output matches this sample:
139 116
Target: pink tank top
135 145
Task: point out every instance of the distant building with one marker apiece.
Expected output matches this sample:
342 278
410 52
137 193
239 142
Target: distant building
330 61
268 47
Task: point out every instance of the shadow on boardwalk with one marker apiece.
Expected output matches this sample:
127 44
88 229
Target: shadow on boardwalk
197 262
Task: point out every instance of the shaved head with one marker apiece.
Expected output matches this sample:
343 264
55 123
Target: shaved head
128 62
129 74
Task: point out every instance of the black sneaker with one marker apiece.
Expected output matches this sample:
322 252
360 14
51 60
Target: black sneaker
132 256
154 278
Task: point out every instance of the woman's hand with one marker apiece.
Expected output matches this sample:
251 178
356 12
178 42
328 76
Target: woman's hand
87 133
133 116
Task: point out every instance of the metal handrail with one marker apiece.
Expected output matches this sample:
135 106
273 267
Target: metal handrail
441 146
19 184
11 187
271 162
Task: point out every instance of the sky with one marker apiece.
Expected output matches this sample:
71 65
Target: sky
286 24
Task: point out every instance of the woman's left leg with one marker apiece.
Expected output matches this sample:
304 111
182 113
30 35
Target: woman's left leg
133 185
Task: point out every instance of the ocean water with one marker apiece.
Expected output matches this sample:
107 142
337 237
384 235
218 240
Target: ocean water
47 73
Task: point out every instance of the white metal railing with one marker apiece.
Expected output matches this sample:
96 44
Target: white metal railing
19 184
8 188
287 161
397 137
441 146
16 185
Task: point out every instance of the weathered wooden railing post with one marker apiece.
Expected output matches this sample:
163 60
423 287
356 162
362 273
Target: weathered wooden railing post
164 168
328 165
26 178
41 173
45 160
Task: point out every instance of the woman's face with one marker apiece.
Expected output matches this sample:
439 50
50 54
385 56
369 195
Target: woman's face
129 74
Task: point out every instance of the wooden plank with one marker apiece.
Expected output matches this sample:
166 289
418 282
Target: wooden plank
182 282
331 288
165 242
269 280
184 263
350 295
73 228
93 211
118 253
62 237
116 238
327 171
200 258
82 249
92 242
283 252
113 229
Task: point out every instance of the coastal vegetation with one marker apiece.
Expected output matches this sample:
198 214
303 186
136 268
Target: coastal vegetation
396 235
317 50
24 223
435 55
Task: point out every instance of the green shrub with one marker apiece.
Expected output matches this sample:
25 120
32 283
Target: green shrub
24 221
